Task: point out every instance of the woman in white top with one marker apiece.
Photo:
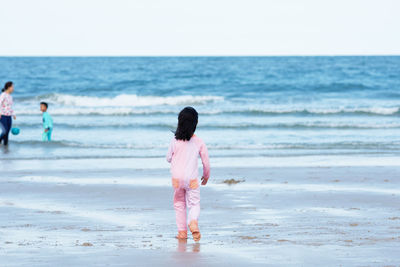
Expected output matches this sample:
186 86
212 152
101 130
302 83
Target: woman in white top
6 111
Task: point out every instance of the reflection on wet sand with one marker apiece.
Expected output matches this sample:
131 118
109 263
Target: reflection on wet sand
5 149
183 246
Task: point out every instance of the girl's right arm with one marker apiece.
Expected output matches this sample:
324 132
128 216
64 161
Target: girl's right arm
170 152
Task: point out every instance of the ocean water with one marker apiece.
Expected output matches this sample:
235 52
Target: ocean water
249 107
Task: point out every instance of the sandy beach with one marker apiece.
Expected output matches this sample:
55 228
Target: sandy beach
250 216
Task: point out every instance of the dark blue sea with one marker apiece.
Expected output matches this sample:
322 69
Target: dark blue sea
249 107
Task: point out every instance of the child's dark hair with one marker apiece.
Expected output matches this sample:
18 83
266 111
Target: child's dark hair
187 123
44 104
6 86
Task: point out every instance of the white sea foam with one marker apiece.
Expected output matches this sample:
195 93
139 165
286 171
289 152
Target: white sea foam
106 111
328 110
372 110
125 104
105 107
126 100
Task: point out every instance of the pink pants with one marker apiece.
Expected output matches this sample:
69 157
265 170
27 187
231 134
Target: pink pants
186 196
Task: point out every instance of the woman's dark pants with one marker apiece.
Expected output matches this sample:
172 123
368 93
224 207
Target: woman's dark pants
5 128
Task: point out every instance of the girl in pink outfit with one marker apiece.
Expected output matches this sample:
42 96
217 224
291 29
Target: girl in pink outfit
183 155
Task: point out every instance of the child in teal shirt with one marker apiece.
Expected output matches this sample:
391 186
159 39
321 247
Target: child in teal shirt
47 122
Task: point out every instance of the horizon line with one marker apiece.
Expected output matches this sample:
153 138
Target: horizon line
215 55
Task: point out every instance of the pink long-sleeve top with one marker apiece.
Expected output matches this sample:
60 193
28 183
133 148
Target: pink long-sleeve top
6 102
183 156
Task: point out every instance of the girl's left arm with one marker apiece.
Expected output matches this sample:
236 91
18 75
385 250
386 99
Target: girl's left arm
205 160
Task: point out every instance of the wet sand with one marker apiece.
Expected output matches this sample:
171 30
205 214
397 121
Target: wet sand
116 216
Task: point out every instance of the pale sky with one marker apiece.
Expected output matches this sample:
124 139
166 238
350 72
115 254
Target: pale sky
203 27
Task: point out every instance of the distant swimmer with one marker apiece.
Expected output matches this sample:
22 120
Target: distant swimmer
47 122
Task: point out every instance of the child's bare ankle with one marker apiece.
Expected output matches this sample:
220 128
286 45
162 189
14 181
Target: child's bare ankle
194 228
182 235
